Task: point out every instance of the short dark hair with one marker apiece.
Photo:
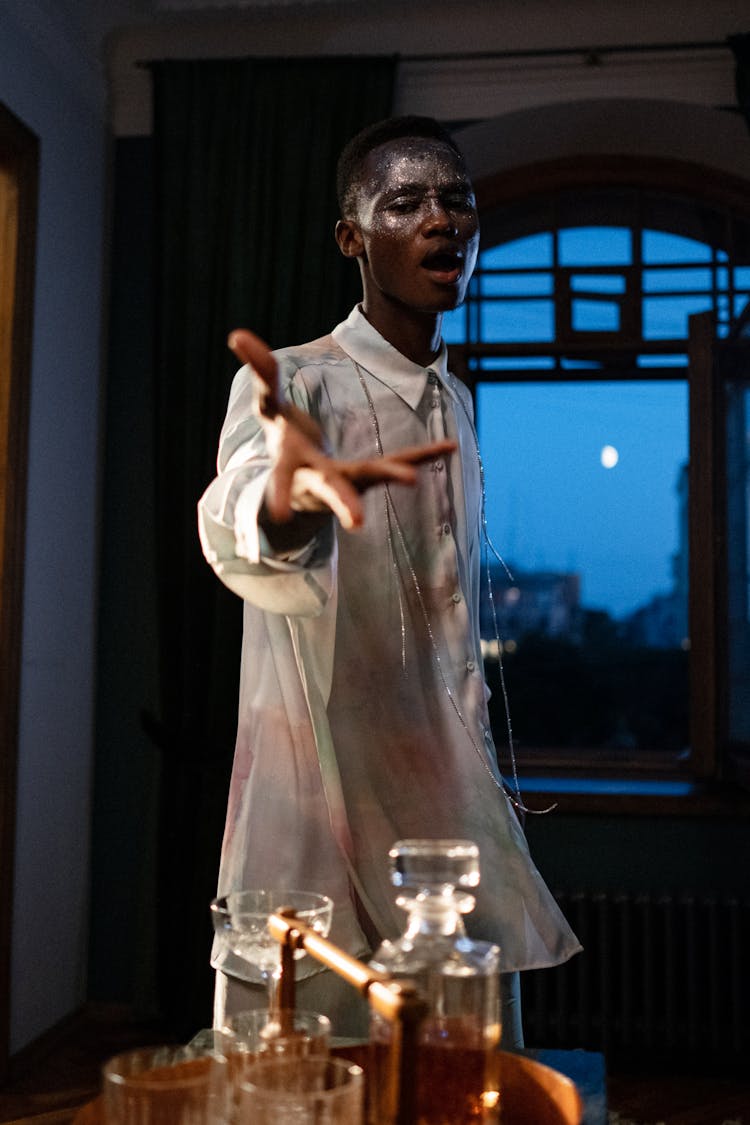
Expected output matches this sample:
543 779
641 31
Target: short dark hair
355 151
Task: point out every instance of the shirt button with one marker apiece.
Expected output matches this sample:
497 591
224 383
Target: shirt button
456 598
438 466
470 665
446 529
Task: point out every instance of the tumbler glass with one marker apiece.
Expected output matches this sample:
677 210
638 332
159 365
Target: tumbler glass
302 1091
166 1085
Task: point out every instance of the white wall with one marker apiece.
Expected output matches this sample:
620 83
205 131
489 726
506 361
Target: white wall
615 126
48 83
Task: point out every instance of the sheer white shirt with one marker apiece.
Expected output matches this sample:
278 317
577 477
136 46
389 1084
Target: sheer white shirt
363 707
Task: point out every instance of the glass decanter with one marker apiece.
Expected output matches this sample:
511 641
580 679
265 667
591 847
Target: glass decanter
457 1063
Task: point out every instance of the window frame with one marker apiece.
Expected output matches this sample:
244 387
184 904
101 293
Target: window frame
19 169
712 785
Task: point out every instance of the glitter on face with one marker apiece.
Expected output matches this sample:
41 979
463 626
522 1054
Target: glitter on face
417 216
412 167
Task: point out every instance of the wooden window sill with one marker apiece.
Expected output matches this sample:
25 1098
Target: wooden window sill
633 796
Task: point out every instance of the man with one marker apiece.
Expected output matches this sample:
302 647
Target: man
363 708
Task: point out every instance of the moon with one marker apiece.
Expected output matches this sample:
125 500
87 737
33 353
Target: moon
609 456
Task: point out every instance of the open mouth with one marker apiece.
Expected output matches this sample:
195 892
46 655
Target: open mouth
444 265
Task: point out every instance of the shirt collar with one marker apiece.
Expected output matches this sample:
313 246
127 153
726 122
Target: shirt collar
364 344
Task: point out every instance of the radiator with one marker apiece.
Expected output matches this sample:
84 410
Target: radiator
659 976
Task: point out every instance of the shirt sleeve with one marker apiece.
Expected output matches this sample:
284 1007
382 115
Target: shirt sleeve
296 583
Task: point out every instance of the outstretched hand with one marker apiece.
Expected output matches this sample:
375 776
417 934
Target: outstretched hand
305 478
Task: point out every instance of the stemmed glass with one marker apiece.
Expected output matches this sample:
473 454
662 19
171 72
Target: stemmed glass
241 924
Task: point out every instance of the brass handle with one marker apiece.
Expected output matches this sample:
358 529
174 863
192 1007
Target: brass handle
400 1002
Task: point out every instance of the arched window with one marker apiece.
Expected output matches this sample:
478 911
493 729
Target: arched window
574 340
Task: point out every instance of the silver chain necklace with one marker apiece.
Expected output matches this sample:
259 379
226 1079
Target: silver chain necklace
394 524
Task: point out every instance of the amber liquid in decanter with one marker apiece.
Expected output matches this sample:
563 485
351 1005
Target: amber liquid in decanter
457 1068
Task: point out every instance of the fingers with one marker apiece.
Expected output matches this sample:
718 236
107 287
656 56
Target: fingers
398 467
250 349
382 470
304 479
309 489
278 496
314 489
416 454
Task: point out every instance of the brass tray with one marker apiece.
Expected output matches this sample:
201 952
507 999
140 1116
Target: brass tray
531 1093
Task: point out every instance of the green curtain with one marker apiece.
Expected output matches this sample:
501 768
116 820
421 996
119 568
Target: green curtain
245 155
740 46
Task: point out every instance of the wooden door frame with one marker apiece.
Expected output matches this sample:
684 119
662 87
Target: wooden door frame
19 178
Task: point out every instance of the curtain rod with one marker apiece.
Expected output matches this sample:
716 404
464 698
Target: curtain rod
591 52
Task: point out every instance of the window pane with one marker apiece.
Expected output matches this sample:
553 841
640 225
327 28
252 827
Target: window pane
595 316
738 553
587 502
454 326
646 361
659 246
516 284
595 246
517 363
660 281
666 318
534 251
506 322
740 304
597 283
580 364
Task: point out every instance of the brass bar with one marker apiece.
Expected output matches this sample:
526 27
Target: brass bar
284 999
289 930
400 1002
411 1014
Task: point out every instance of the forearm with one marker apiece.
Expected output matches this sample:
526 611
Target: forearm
262 561
236 547
293 535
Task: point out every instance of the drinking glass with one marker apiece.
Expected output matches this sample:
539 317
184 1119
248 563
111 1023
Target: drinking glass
241 924
166 1085
302 1091
259 1033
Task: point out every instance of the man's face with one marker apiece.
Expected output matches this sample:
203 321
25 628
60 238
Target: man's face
417 220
